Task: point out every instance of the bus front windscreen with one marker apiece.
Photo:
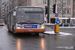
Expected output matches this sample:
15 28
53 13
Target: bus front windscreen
30 17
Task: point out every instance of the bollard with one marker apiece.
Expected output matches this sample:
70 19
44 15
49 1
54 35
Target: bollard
57 21
56 28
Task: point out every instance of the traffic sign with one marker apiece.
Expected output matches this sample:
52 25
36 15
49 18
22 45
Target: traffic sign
57 21
56 15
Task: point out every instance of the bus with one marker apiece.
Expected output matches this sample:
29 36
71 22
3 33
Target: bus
24 19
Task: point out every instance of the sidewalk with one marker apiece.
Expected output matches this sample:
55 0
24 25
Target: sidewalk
67 27
61 33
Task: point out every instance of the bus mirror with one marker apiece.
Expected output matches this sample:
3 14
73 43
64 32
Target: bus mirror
14 13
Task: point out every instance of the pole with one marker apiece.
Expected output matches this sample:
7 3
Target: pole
62 8
56 20
48 1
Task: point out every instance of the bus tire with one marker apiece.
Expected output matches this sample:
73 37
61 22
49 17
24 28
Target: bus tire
13 29
8 27
9 30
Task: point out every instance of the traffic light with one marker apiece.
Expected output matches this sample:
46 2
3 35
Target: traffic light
46 9
54 8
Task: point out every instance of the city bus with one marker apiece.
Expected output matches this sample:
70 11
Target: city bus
24 19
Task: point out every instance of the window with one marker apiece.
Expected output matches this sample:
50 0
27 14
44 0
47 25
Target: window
8 19
39 1
63 20
64 1
74 11
50 10
11 17
68 20
59 1
7 8
68 2
53 1
44 10
49 1
44 1
59 10
64 11
69 11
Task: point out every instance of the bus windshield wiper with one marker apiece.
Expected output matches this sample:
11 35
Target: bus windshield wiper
34 23
28 23
22 23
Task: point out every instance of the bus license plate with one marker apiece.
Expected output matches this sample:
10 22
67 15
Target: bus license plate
30 26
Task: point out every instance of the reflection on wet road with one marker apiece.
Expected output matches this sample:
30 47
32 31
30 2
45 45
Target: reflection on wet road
18 44
43 44
8 41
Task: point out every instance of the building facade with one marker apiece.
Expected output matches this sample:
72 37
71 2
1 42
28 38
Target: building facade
65 7
4 10
0 7
73 8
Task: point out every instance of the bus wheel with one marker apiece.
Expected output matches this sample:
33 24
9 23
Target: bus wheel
13 29
37 34
9 30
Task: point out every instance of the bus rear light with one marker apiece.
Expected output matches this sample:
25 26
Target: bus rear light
42 26
18 27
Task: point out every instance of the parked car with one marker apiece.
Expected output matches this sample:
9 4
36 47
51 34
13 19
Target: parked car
2 22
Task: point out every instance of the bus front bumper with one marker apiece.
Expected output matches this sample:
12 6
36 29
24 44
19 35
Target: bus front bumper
2 24
29 30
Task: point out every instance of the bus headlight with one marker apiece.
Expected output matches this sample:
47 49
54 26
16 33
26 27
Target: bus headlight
42 26
18 27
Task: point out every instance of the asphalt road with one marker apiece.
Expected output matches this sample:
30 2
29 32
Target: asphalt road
22 41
